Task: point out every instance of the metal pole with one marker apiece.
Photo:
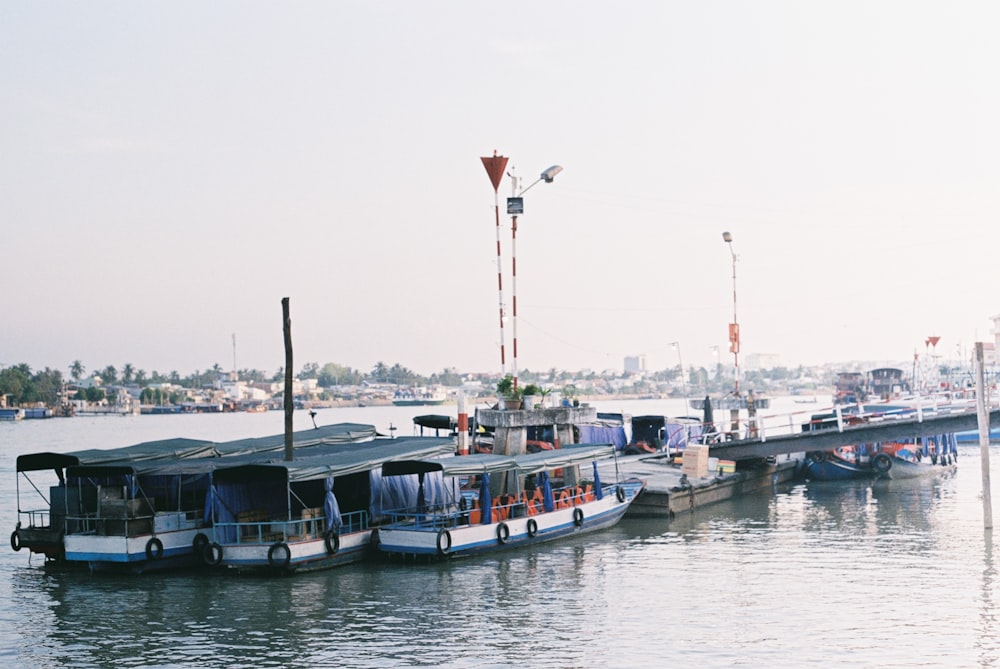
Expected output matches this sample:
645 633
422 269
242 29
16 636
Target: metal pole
513 291
736 344
984 436
503 360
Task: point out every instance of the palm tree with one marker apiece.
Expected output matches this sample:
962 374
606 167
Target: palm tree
127 372
77 370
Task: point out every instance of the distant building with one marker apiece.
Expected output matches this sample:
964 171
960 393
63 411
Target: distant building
635 364
758 361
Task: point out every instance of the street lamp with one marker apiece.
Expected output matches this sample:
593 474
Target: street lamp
734 327
515 206
677 347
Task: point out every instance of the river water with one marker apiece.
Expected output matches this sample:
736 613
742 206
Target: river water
895 574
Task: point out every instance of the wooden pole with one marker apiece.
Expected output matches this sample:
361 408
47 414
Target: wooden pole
289 400
984 435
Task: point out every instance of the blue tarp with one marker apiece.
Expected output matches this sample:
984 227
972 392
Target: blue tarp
548 502
602 434
485 501
330 507
597 483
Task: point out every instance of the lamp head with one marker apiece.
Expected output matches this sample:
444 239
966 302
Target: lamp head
550 174
726 237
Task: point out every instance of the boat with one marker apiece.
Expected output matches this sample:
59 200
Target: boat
884 460
482 503
312 513
413 397
887 460
71 505
11 413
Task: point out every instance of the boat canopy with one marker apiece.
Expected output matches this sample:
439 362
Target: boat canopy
341 462
163 449
486 463
339 433
182 449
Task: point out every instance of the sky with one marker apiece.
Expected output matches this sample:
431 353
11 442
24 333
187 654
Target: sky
171 170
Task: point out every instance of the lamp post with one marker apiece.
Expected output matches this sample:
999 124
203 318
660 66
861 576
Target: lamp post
515 206
734 327
677 347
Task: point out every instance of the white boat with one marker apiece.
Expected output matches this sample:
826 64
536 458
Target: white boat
313 513
413 397
456 512
141 506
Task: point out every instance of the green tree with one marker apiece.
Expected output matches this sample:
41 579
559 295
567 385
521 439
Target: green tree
128 373
15 381
77 370
309 370
109 374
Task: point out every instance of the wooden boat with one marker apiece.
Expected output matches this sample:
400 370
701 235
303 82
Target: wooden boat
42 520
316 512
457 512
71 506
890 460
886 460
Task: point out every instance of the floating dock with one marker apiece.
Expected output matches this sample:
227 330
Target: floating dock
670 492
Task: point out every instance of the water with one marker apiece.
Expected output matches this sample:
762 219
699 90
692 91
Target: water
852 575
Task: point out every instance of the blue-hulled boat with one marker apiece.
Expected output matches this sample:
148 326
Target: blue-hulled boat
315 512
113 502
455 511
890 460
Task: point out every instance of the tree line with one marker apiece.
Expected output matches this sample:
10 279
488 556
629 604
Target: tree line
24 386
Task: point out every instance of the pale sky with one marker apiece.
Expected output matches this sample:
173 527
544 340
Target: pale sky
171 170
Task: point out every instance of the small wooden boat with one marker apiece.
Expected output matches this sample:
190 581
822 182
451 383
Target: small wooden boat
889 460
315 512
483 502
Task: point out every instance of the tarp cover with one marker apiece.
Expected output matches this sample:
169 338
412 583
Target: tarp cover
182 448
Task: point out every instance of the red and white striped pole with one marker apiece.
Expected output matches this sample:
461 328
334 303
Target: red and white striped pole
513 279
495 167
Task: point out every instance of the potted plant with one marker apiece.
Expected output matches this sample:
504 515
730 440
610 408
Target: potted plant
508 394
531 395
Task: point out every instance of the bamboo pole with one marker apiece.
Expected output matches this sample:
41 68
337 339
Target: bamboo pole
984 435
289 400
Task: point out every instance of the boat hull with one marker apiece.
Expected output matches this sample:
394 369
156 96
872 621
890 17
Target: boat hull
832 468
291 555
457 540
135 554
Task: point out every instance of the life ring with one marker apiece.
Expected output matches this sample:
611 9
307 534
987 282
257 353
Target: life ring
199 543
503 533
817 456
375 540
620 493
444 542
211 555
332 542
881 463
154 549
15 540
532 527
279 562
578 516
